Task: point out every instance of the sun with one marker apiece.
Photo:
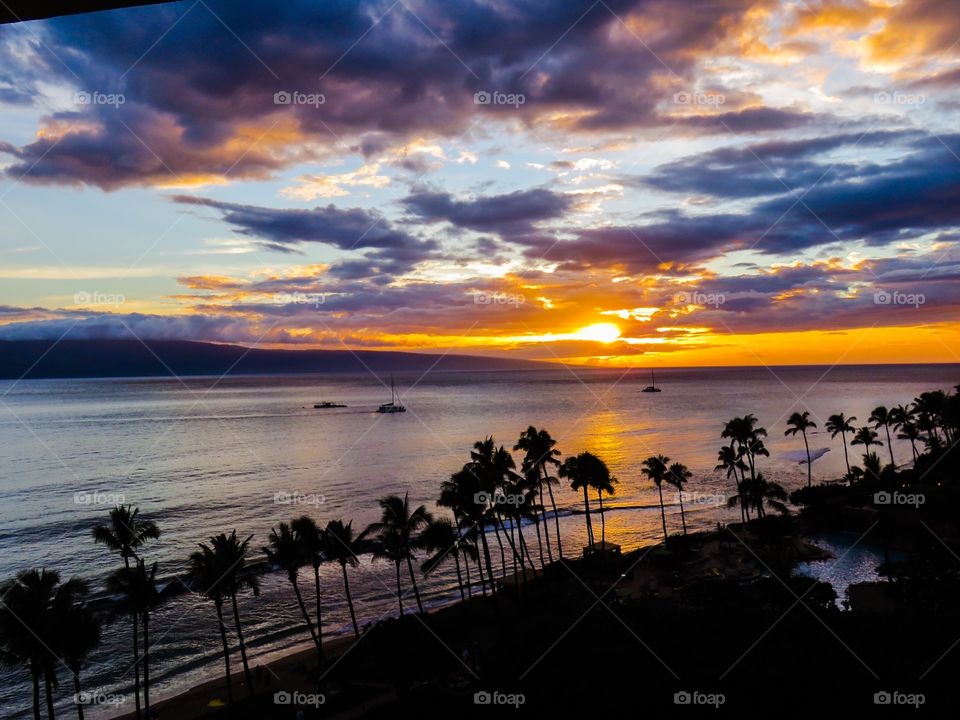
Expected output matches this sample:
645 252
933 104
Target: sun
599 332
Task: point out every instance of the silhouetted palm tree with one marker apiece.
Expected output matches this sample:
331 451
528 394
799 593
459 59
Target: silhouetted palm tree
584 471
840 425
749 439
677 475
461 493
760 492
800 423
909 431
125 534
655 468
286 552
207 572
880 417
77 633
441 538
313 544
345 548
541 451
396 537
237 577
730 460
136 589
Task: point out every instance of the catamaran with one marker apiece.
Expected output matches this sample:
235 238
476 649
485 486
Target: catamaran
652 387
394 405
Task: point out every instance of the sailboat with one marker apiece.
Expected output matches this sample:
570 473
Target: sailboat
394 405
652 387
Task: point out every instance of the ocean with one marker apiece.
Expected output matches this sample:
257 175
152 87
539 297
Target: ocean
201 456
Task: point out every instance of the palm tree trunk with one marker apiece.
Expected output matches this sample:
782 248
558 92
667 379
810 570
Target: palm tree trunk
503 557
846 458
226 653
399 589
809 464
306 615
466 567
663 515
413 580
77 691
683 519
890 445
524 550
243 646
346 588
486 555
136 661
35 676
536 521
463 595
513 544
603 521
546 525
316 587
556 519
586 508
48 682
146 664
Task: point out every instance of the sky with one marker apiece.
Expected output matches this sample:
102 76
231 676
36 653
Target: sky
626 183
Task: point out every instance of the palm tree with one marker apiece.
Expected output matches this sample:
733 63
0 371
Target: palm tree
872 464
576 469
313 544
840 425
125 534
880 417
441 538
603 482
909 431
749 439
207 571
396 537
77 633
677 475
730 460
759 492
541 451
866 437
345 548
31 613
460 493
800 423
237 577
286 552
655 468
136 588
494 467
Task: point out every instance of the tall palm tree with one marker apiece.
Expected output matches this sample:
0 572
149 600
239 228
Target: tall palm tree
839 424
125 534
136 588
800 423
286 552
677 475
397 537
909 431
494 467
579 480
207 571
31 607
441 538
603 482
345 548
460 493
880 417
730 460
749 439
760 492
655 468
541 451
77 633
237 577
313 544
866 437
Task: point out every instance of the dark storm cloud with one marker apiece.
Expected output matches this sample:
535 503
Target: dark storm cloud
393 251
507 214
382 72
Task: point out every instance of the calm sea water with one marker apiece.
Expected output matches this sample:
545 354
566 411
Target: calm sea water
202 456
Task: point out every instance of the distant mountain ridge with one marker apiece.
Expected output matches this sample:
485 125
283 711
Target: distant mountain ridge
36 359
